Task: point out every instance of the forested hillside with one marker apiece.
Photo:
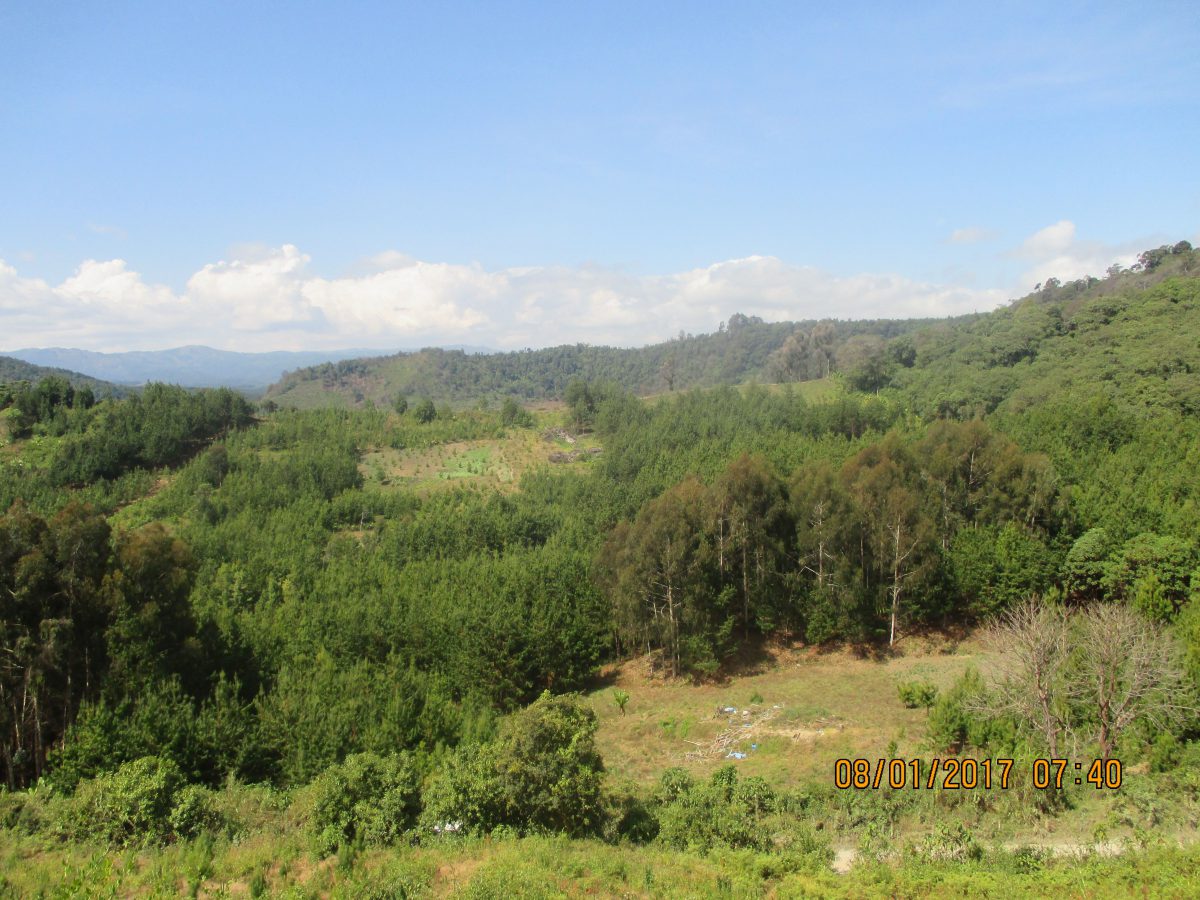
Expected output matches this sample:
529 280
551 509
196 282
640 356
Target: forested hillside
744 349
15 370
197 596
1129 339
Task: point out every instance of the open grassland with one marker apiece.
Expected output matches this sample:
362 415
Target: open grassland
802 708
314 395
819 390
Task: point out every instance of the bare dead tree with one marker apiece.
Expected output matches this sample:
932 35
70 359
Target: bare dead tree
1095 673
1128 672
1031 647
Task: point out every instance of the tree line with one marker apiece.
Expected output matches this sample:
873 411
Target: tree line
951 523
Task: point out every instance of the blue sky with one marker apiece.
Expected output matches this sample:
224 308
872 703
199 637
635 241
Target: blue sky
380 174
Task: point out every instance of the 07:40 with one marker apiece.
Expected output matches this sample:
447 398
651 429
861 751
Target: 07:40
1103 773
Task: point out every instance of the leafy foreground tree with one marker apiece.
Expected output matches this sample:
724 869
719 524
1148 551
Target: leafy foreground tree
543 773
81 607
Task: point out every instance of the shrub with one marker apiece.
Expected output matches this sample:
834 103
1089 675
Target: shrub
368 798
628 817
133 803
950 842
674 783
425 411
724 812
917 694
513 414
542 773
953 721
194 812
32 810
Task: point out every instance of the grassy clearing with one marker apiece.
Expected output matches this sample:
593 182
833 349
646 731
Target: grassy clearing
819 390
313 395
830 705
490 464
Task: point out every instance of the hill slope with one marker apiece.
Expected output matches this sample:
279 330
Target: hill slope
12 370
1129 340
745 348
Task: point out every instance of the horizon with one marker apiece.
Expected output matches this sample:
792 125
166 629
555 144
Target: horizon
375 176
459 347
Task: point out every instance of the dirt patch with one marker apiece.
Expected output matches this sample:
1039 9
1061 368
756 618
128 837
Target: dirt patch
559 434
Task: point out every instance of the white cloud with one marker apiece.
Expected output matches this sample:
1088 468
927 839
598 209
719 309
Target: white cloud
110 285
972 234
256 294
1049 240
1055 252
264 299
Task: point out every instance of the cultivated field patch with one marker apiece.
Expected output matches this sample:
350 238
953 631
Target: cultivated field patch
496 464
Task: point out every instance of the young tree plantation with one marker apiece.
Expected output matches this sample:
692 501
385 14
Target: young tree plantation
379 638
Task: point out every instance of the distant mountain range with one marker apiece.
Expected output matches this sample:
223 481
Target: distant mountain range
192 366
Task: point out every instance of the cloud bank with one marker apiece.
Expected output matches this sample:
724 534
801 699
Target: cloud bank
269 299
1056 252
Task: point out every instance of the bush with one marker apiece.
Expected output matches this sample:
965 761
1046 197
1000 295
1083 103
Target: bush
134 803
950 843
542 773
724 812
194 812
512 414
32 810
917 694
425 411
367 799
628 817
953 723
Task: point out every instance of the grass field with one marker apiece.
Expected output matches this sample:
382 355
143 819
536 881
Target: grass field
818 706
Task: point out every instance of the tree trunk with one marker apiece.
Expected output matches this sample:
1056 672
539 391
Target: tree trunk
745 589
674 632
895 584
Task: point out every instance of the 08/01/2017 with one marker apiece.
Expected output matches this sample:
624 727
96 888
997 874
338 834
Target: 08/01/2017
967 774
